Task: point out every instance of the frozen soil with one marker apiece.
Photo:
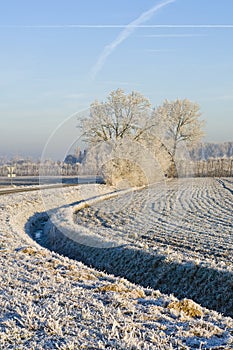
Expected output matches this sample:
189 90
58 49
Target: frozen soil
49 301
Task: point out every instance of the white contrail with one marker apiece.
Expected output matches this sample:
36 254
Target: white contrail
126 32
110 26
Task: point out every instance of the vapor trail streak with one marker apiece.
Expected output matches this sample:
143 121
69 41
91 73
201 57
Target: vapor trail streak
125 33
109 26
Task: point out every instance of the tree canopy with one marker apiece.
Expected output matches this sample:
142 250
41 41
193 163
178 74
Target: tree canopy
180 122
119 117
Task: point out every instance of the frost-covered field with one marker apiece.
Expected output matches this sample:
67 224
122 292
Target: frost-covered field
174 236
52 302
192 216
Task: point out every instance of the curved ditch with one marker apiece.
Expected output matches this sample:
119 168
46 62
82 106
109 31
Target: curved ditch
209 285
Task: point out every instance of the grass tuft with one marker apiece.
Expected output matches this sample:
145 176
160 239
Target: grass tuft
187 306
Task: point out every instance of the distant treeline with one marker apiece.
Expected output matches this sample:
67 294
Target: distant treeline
205 151
50 168
221 167
208 159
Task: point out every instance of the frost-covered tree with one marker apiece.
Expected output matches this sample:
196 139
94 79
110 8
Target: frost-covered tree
120 116
116 130
124 121
180 122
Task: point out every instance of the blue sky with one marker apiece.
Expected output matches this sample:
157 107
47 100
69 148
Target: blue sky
50 51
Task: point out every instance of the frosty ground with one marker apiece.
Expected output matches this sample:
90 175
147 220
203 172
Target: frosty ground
48 301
